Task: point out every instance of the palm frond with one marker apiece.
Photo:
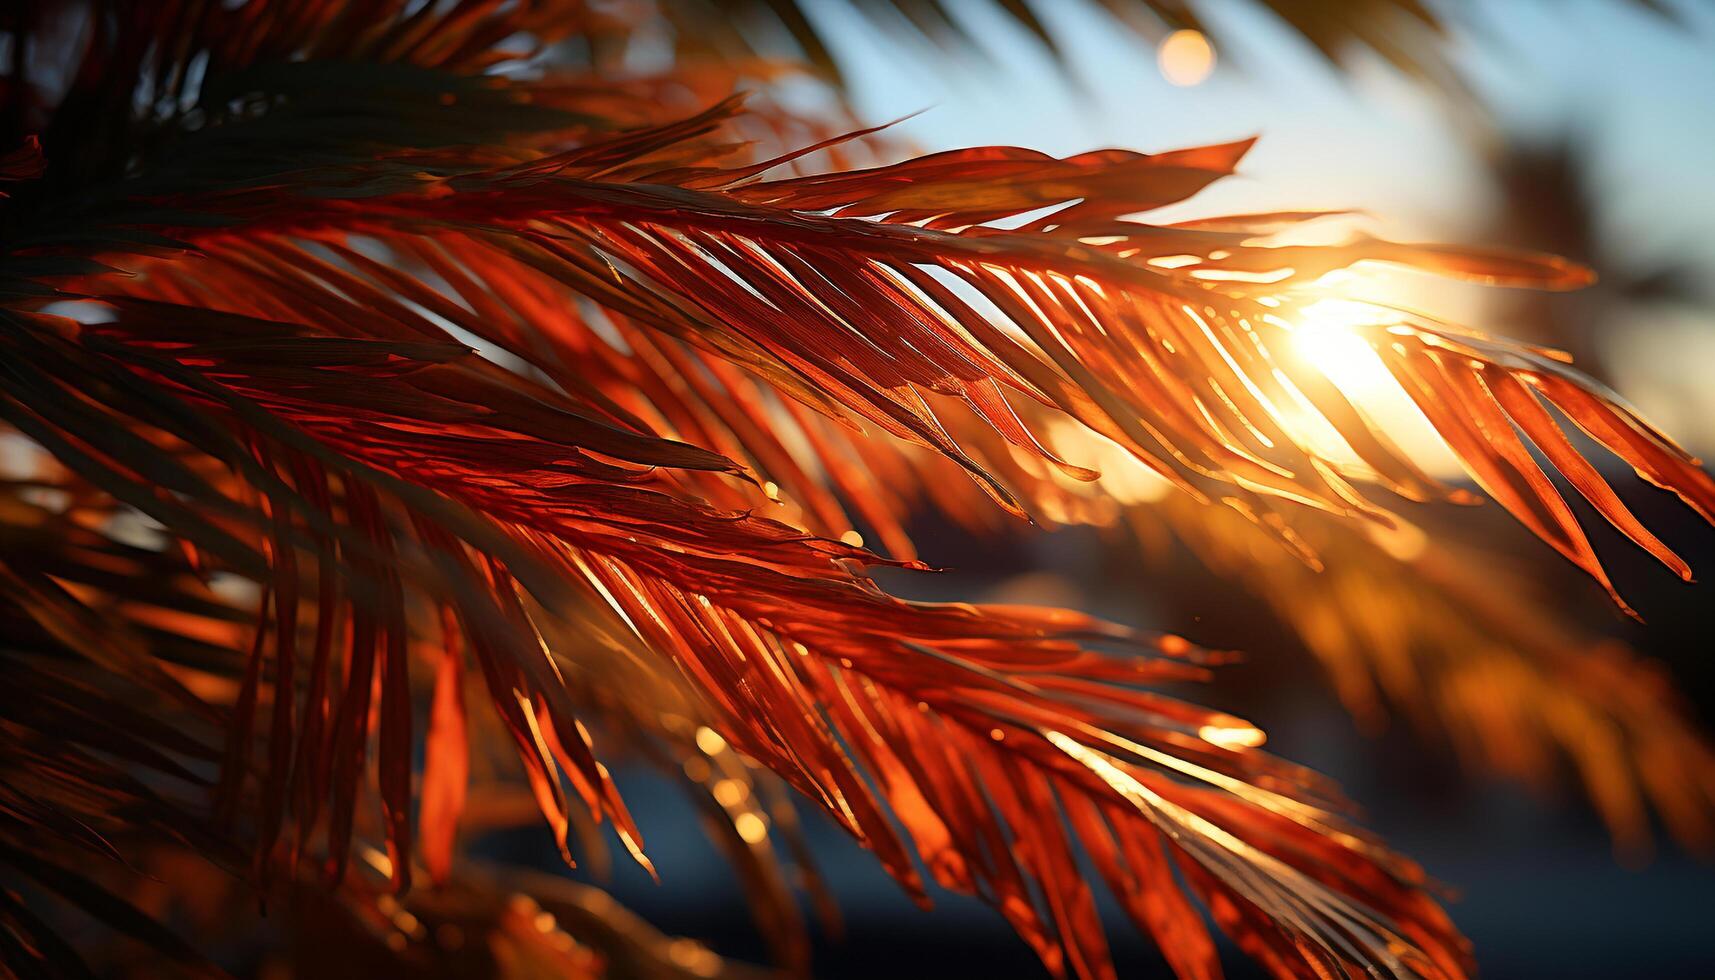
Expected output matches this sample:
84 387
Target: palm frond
1190 368
1458 645
243 307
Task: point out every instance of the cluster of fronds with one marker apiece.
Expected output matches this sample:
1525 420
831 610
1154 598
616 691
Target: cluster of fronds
1464 647
352 355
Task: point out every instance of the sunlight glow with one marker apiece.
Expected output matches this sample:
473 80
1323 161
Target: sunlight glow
1124 478
1186 58
1326 333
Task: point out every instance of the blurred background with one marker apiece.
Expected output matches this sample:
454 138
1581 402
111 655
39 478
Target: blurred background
1582 128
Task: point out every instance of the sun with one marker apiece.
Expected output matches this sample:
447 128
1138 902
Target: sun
1329 334
1325 333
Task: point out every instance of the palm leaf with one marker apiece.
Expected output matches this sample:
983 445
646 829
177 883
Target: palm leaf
1201 351
245 310
1461 646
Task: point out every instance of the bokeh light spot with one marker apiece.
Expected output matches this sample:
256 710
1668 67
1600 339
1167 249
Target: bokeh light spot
1186 58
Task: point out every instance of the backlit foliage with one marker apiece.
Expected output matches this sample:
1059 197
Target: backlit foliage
410 374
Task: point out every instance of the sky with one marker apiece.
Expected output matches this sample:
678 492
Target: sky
1638 87
1372 137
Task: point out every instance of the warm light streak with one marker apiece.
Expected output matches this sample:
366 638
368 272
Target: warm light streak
1186 58
1226 737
